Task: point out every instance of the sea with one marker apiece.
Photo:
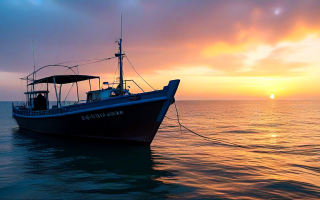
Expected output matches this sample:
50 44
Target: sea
230 150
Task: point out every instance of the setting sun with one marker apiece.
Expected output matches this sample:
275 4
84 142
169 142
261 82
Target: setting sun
251 57
272 96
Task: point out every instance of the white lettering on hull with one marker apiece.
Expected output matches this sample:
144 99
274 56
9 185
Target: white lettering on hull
101 115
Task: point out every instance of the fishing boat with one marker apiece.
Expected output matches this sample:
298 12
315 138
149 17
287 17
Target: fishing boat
112 113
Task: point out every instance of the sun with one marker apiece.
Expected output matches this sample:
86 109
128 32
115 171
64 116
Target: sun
272 96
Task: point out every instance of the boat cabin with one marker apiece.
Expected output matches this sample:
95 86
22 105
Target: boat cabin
37 100
57 80
99 95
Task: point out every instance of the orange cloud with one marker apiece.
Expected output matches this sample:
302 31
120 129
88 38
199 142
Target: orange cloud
276 65
203 42
223 48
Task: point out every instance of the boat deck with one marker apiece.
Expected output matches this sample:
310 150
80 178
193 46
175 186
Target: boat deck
110 102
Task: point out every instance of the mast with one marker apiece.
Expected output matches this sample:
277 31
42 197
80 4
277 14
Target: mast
119 55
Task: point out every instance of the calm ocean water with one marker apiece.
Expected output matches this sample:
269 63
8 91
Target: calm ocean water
281 158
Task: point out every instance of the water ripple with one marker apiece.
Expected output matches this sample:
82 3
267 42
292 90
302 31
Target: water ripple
279 158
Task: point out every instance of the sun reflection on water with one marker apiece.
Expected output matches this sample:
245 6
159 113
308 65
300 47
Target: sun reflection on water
280 159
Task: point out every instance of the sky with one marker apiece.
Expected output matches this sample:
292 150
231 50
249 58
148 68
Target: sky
219 49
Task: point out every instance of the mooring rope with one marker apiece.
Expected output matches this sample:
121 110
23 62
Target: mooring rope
214 140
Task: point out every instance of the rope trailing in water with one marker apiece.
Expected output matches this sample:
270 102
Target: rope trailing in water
214 140
178 118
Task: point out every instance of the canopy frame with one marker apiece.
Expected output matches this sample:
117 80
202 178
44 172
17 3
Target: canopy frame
61 80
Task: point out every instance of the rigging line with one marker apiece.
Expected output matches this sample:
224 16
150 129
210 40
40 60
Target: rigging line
59 65
124 77
27 77
67 71
68 93
136 71
41 85
215 140
21 89
114 76
97 61
34 61
79 61
76 66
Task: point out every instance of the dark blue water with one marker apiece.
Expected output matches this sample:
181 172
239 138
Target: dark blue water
281 158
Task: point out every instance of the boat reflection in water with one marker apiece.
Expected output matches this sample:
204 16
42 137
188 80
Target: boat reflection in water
86 169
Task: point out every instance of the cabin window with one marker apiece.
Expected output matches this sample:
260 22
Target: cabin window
105 94
95 96
89 99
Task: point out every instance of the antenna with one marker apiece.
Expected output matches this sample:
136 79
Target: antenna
121 26
34 64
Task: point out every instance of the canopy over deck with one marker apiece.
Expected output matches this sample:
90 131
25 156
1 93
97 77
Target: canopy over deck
63 79
36 92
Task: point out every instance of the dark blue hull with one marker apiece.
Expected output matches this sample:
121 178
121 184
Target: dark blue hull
118 119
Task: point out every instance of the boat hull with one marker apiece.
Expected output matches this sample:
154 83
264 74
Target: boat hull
136 123
129 121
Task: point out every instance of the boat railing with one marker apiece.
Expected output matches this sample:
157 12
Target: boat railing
125 82
28 112
22 110
134 83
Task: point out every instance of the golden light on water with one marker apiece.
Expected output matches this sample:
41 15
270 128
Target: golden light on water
272 96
